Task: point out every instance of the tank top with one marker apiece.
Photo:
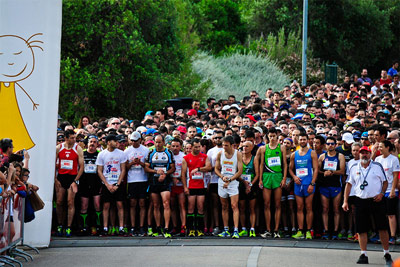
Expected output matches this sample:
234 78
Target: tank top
195 181
90 168
178 168
273 159
228 166
68 160
303 167
330 164
248 170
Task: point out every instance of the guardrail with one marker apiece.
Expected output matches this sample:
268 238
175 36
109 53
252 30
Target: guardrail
12 214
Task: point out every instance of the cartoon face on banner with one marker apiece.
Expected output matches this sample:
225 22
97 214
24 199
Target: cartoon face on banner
17 63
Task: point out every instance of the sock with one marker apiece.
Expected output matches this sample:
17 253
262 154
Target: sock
83 217
200 221
293 229
285 229
226 228
105 229
98 218
364 252
121 228
252 229
235 229
244 229
385 252
190 221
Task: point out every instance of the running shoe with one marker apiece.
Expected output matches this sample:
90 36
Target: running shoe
308 235
388 259
59 230
286 234
252 233
298 235
335 237
215 231
355 238
266 234
183 230
375 239
132 232
243 233
68 232
93 231
350 236
224 234
192 233
277 235
141 232
103 233
363 259
125 231
200 233
342 234
149 231
173 231
235 234
166 233
325 236
392 241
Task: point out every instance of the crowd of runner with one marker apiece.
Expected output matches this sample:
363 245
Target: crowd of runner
273 164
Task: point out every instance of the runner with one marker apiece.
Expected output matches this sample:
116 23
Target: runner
160 164
137 181
194 166
111 168
229 167
274 173
70 167
304 170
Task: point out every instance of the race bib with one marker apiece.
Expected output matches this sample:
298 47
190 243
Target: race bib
227 170
302 172
288 180
112 177
176 174
330 165
164 169
198 176
90 168
246 177
274 161
136 168
66 164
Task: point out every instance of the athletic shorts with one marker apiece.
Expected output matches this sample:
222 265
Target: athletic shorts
197 192
89 186
391 204
137 190
176 190
231 190
365 208
352 200
330 192
272 180
66 180
301 190
213 188
118 195
251 195
156 189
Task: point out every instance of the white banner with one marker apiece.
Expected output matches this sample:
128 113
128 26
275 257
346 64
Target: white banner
30 38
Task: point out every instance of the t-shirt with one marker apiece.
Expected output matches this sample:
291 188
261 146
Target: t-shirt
111 162
178 167
392 72
160 160
390 164
136 173
212 155
90 169
195 181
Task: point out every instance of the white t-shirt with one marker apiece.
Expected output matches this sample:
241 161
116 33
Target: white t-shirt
136 173
349 164
390 164
212 155
111 162
178 167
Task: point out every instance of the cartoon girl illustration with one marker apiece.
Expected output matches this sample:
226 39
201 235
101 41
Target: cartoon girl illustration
17 62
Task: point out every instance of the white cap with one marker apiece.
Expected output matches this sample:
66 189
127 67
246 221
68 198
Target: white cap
259 129
135 136
235 106
141 129
226 107
209 132
348 138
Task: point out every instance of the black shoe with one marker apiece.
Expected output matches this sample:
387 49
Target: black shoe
388 259
364 259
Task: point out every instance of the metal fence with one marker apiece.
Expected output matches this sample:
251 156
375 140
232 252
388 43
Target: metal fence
12 213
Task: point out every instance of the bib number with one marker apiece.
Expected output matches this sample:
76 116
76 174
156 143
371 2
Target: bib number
330 165
90 168
246 177
66 164
198 176
227 171
274 161
302 172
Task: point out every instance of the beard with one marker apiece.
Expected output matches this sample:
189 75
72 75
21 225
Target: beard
364 161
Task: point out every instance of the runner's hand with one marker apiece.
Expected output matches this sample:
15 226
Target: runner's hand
186 190
310 189
392 194
57 184
297 180
345 206
226 184
162 178
74 187
378 197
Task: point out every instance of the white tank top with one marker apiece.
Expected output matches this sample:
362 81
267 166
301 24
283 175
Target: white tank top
228 166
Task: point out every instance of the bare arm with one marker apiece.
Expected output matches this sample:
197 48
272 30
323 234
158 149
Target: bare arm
342 168
81 163
240 167
283 149
314 165
122 174
256 168
207 167
183 173
217 168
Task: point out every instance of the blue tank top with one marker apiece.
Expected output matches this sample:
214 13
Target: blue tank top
303 167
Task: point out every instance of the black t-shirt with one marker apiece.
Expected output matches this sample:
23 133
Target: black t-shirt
90 169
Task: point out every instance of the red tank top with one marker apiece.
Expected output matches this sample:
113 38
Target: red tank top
68 160
197 180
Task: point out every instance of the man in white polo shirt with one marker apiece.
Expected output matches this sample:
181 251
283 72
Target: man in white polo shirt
369 182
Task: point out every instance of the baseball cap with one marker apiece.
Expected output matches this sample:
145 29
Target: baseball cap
149 142
365 148
120 138
141 129
348 138
150 112
192 112
135 136
258 129
357 135
151 131
182 129
111 137
235 106
251 118
364 134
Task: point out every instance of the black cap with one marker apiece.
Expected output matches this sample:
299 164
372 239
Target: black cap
121 138
111 137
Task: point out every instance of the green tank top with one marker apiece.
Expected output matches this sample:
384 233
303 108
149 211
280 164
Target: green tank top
248 170
273 159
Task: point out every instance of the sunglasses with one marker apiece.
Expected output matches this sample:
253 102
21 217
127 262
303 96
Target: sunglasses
218 137
115 123
330 144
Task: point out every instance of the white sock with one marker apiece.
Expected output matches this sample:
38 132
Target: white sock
105 228
364 252
244 228
385 252
252 229
235 229
121 228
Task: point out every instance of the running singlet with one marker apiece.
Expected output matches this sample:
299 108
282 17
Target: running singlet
330 164
160 161
195 181
228 166
303 167
390 164
136 173
111 162
68 160
178 168
273 159
248 170
90 169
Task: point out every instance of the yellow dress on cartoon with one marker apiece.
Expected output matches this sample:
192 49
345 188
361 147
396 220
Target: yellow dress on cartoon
11 122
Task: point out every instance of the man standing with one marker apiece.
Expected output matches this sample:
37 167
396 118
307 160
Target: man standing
195 164
111 168
274 172
68 156
228 168
137 181
369 182
304 170
160 164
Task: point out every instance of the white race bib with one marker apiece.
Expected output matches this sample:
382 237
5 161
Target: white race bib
246 177
288 180
66 164
90 168
112 177
198 175
227 171
302 172
274 161
330 165
164 169
176 174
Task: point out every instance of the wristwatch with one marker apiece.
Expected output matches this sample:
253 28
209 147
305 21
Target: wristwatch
313 184
117 185
77 182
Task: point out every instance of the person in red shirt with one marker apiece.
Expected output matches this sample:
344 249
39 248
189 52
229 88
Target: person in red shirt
384 78
69 156
194 166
